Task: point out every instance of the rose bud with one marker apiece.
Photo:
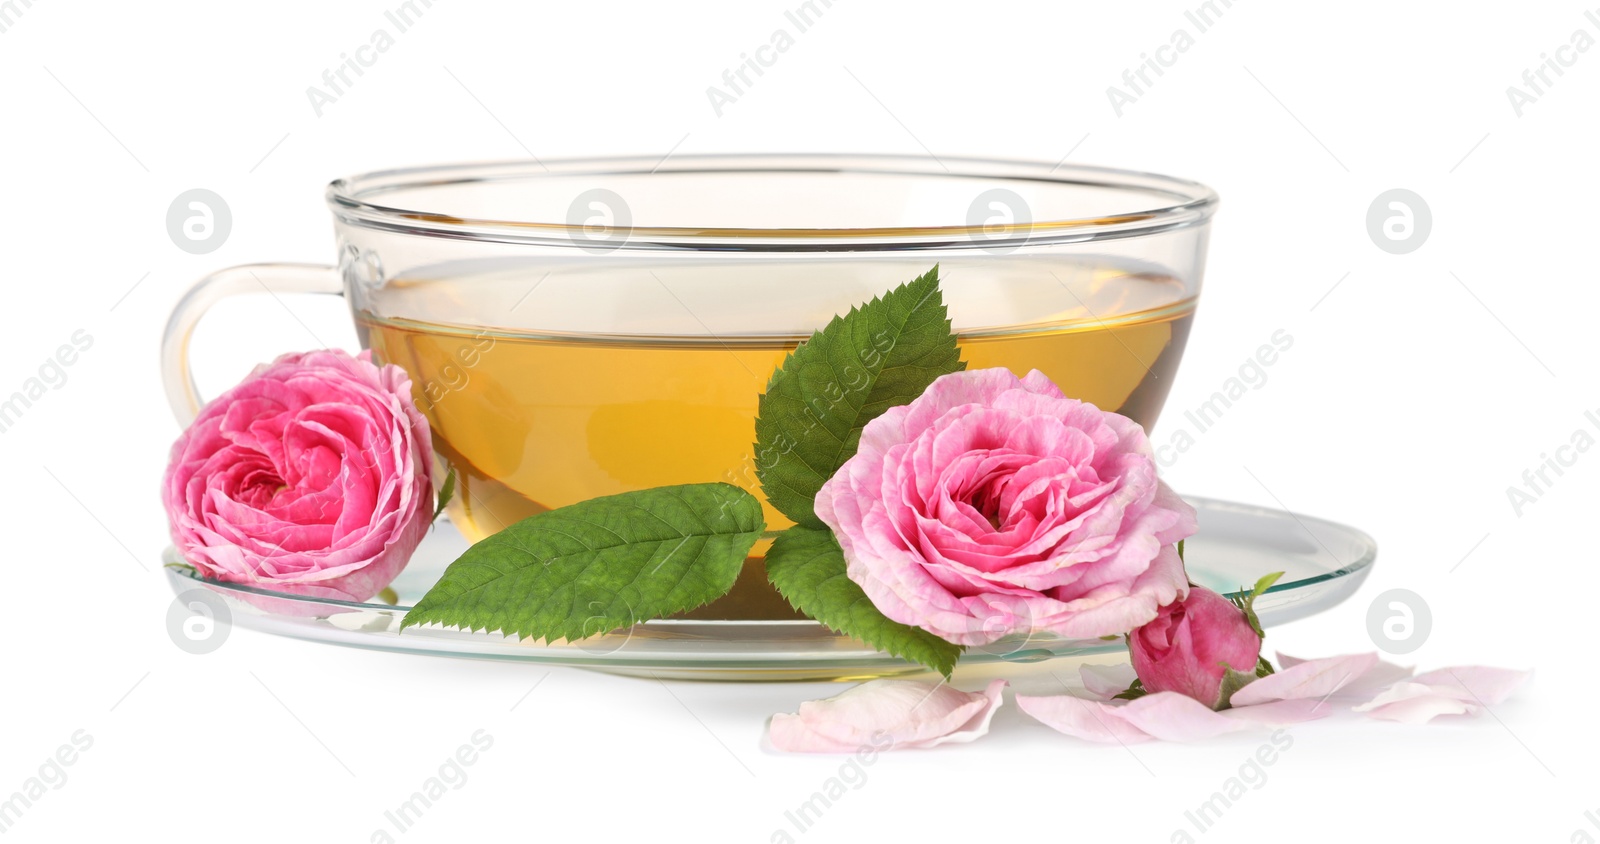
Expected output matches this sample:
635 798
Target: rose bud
1191 645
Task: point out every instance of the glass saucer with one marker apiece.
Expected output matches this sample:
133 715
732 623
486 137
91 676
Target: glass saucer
1323 563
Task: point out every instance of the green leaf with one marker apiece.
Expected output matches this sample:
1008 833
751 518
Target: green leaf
1180 551
1246 601
879 355
1263 667
446 492
1263 585
807 566
600 564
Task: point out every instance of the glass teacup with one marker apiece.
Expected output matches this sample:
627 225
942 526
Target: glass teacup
582 328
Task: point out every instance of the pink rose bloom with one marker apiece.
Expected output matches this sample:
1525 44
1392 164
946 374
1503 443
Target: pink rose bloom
1191 644
310 477
993 505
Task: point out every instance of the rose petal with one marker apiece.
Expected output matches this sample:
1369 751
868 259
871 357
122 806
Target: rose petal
1175 717
1375 679
1315 678
887 714
1278 713
1163 715
1287 661
1462 690
1475 683
1107 681
1414 703
1090 720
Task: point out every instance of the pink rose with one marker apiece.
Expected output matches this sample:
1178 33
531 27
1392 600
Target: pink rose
992 505
1191 644
310 477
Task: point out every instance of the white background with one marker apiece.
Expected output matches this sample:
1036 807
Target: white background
1418 390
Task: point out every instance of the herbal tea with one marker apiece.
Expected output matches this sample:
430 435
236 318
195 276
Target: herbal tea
533 420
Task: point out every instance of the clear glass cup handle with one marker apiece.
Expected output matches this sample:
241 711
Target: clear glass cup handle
182 392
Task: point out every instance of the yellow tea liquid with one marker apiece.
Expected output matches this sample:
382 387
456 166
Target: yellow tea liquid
532 422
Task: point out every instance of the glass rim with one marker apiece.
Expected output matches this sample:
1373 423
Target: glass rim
357 200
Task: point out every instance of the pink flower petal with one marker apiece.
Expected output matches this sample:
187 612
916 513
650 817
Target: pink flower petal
1414 703
1164 715
1475 683
1463 690
1168 716
1176 717
1090 720
1106 681
1315 679
887 714
1375 679
1287 661
1279 713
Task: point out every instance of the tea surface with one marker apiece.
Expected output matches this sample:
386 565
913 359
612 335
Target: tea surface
532 421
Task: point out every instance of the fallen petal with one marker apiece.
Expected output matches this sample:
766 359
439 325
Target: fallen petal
1163 715
1279 713
1475 683
1106 681
1176 717
1414 703
1375 679
1313 678
887 714
1090 720
1287 661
